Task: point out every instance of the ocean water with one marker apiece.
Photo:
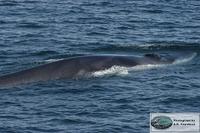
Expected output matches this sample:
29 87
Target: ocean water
35 32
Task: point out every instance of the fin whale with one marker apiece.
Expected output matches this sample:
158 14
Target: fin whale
76 66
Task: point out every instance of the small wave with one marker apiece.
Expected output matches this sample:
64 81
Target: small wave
150 46
47 61
31 25
44 53
8 3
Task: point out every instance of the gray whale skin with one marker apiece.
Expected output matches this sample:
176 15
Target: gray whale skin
77 66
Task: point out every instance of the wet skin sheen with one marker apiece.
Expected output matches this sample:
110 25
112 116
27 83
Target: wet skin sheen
78 66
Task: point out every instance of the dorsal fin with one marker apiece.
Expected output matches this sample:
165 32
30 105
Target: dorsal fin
152 55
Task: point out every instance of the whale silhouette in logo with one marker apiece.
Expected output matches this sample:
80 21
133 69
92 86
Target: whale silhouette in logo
77 66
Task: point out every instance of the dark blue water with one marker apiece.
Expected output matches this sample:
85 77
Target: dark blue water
34 32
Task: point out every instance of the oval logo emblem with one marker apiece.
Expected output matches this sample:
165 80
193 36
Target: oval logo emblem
161 122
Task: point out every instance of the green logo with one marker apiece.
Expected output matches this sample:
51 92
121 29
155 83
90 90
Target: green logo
161 122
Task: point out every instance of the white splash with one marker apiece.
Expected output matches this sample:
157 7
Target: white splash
52 60
114 70
184 60
119 70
